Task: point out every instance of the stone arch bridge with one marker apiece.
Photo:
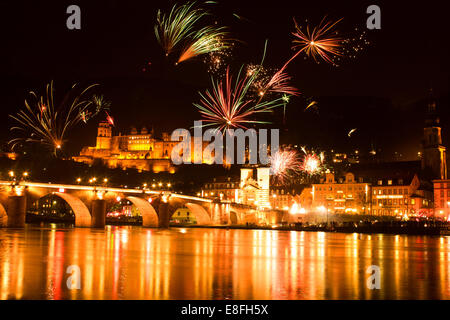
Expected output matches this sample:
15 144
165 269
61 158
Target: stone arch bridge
90 203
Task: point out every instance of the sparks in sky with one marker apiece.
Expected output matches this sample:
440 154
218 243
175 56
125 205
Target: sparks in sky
44 123
312 164
206 40
172 29
229 105
283 165
351 131
181 30
319 42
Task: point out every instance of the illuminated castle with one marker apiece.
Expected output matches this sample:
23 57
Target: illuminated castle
140 150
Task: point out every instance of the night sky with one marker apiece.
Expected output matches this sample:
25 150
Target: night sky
382 93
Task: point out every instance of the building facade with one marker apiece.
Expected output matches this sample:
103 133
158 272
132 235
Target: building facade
341 194
442 199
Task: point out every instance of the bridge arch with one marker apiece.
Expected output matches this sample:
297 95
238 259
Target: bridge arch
82 215
149 215
200 213
234 218
3 216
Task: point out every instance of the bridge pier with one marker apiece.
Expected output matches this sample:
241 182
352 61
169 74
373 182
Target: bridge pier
98 213
16 209
163 215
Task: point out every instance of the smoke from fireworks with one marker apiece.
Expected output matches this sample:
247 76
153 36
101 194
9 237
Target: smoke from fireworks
44 123
284 164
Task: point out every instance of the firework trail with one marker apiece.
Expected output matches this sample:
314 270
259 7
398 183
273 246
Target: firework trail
173 28
229 105
206 40
180 28
351 131
284 164
311 104
46 124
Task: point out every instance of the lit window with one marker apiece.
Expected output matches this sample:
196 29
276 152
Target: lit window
380 182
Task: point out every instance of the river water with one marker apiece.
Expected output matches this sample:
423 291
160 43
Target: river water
206 263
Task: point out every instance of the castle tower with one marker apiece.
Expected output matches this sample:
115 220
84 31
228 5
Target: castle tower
262 195
434 159
104 134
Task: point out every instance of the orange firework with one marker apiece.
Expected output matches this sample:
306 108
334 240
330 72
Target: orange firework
318 42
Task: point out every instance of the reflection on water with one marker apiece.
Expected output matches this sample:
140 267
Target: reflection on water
139 263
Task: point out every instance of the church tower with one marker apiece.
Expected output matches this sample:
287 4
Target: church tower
434 159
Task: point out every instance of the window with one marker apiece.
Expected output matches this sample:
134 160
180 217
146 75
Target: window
374 191
380 182
395 191
413 201
400 181
389 182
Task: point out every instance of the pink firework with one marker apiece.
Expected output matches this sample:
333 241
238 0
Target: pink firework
280 83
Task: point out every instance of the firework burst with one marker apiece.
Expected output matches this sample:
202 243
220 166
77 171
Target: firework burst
44 123
312 164
173 28
318 42
206 40
284 164
180 28
230 106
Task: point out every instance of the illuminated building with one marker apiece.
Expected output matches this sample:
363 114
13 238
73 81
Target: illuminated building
341 195
284 197
140 150
183 216
255 189
388 189
400 196
223 188
442 198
